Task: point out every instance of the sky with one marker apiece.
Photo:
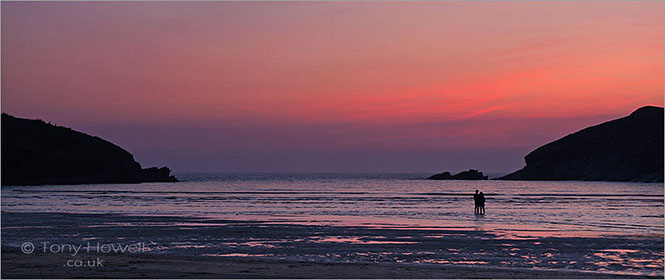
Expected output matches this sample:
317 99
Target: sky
331 86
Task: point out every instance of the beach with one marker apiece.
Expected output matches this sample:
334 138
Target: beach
176 247
333 226
18 265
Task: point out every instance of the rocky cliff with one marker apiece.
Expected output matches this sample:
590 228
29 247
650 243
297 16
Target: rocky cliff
37 153
625 149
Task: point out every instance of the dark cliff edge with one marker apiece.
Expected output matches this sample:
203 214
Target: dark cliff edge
471 174
37 153
629 149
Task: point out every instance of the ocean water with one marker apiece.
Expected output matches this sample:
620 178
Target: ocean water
402 218
540 208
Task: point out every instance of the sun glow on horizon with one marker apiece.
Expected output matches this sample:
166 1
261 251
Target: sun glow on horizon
307 79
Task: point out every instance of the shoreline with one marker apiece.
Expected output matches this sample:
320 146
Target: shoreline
16 264
179 247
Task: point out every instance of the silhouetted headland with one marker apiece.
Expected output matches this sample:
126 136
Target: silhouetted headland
471 174
625 149
37 153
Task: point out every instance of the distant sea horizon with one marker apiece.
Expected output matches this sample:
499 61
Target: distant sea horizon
415 174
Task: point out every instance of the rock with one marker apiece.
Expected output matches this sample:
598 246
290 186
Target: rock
470 174
625 149
441 176
37 153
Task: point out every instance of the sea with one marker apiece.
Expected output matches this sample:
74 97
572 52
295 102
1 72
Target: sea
389 212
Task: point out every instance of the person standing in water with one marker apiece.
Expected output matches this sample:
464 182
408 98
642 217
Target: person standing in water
481 203
476 203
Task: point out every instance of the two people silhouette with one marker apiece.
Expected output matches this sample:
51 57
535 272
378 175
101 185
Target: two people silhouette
479 201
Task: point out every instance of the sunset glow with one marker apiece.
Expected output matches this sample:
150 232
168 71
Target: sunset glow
332 86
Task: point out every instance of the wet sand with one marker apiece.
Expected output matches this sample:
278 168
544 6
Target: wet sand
18 265
188 247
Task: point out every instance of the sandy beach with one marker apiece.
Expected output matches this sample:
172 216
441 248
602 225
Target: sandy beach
179 247
19 265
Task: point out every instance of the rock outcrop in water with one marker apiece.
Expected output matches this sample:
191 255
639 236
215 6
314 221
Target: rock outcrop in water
470 174
625 149
37 153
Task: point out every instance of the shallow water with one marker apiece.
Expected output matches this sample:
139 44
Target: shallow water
514 208
399 218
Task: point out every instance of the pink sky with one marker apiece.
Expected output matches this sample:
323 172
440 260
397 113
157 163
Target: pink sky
335 86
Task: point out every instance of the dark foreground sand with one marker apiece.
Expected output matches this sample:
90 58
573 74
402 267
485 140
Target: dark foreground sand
188 247
18 265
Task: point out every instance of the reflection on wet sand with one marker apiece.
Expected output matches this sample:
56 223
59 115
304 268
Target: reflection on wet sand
320 243
579 226
357 240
